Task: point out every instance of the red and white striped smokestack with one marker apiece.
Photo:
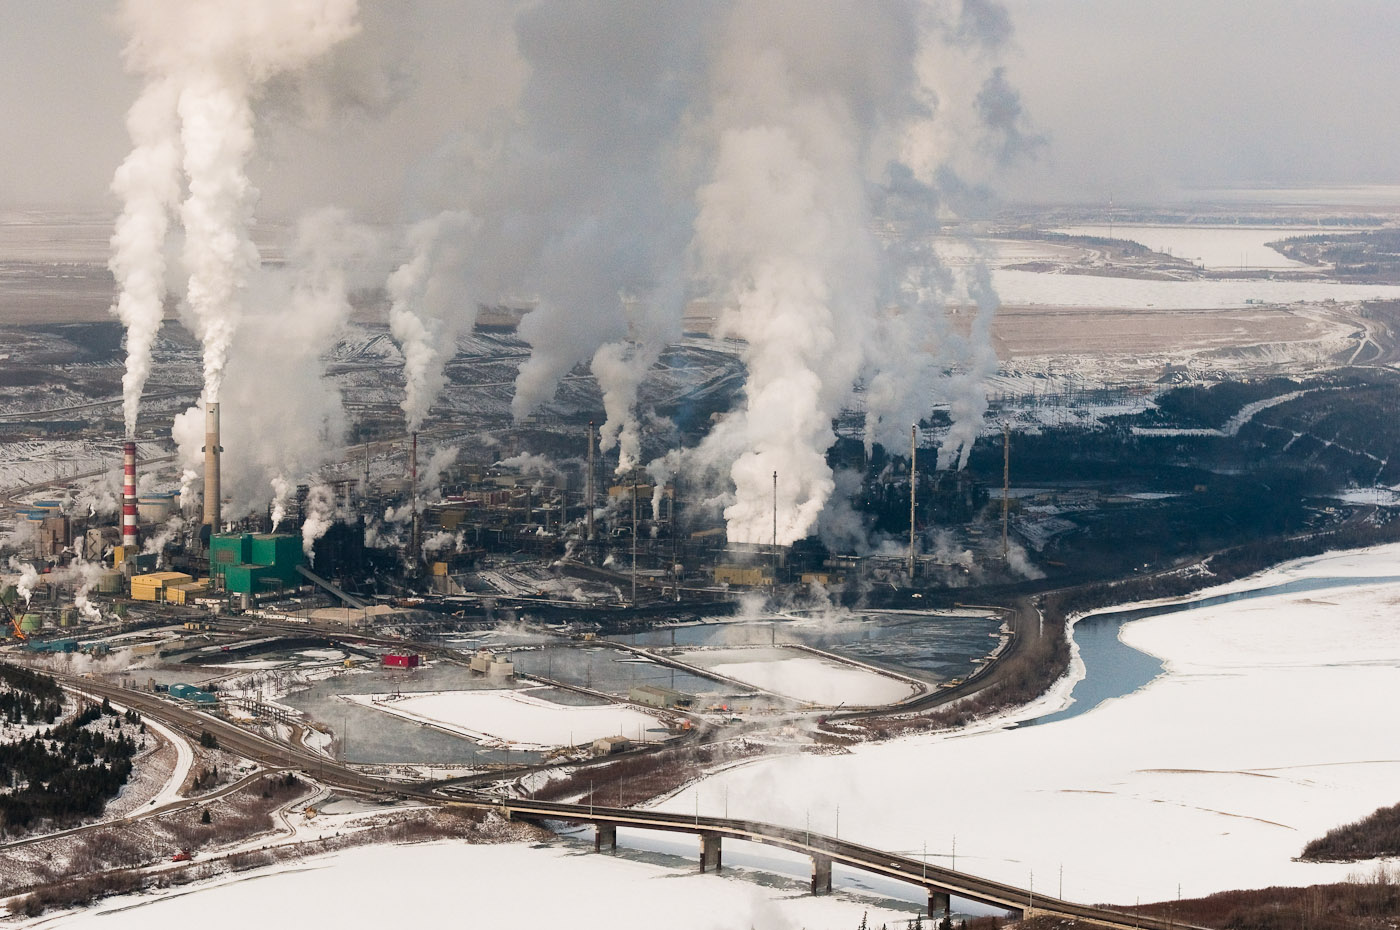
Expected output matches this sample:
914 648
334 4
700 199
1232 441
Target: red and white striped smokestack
129 536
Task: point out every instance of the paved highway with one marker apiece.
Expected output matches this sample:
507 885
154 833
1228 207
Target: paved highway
916 872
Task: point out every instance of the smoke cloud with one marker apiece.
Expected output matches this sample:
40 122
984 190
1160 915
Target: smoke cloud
148 183
320 515
430 304
210 60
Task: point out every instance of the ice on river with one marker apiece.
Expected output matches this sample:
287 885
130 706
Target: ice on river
803 677
517 719
1273 722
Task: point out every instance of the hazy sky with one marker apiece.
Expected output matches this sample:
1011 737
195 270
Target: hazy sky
1135 98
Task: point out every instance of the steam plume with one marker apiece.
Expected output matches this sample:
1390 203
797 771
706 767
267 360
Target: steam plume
430 305
148 182
212 58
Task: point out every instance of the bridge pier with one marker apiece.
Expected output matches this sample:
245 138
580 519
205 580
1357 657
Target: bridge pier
604 833
710 857
940 903
821 875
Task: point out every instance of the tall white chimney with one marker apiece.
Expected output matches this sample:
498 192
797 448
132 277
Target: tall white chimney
212 450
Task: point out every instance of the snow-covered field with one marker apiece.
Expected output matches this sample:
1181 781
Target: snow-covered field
802 677
1029 288
507 886
516 719
1215 247
1272 723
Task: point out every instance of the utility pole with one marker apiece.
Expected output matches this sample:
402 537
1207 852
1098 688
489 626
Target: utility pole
588 494
913 491
1005 485
775 528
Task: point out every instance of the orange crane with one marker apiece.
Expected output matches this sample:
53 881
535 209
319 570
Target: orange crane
14 620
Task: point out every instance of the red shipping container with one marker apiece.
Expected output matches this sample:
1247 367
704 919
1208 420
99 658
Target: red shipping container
401 661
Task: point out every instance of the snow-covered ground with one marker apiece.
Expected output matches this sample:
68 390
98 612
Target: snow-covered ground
514 718
802 677
512 885
1029 288
1271 724
1214 246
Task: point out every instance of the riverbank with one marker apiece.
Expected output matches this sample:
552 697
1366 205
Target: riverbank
1268 726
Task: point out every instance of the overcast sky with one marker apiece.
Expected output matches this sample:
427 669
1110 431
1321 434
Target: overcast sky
1137 99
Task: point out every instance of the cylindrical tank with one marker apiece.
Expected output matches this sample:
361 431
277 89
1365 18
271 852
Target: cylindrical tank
111 582
155 508
31 623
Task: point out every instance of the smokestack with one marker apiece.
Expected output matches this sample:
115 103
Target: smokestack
415 550
212 450
129 537
913 490
588 497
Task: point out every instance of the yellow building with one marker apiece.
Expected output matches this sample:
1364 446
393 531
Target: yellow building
152 587
751 576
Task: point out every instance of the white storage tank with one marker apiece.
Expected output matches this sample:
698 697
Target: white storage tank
155 508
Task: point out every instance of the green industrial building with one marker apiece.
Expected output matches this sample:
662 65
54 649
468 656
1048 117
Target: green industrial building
254 563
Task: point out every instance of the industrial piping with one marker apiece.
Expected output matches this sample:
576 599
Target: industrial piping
212 451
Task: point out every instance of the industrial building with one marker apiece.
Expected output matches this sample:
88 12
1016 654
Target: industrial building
607 745
255 563
154 586
486 662
193 695
657 696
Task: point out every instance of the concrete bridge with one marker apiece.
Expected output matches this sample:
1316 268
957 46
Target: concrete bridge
824 851
940 883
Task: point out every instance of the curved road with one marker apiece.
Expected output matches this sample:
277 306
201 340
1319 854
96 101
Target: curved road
916 872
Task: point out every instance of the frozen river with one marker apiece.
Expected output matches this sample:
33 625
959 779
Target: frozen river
1265 723
1243 724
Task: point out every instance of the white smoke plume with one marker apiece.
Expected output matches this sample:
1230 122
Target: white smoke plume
430 304
27 581
442 540
783 229
148 183
967 389
212 58
593 208
619 369
282 418
430 475
282 490
157 541
100 497
320 515
527 463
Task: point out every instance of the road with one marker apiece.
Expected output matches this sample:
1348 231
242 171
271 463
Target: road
279 755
